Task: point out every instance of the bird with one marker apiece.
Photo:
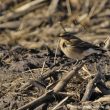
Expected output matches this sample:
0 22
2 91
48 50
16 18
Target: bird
75 48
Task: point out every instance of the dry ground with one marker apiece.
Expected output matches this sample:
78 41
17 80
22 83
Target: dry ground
29 32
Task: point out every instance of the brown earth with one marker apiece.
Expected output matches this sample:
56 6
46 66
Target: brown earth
28 42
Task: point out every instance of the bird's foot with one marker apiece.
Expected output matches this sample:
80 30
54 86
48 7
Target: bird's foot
78 62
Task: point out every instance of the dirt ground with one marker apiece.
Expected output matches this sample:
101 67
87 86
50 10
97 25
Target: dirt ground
30 65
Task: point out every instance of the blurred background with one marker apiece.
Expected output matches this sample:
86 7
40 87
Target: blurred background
29 31
35 23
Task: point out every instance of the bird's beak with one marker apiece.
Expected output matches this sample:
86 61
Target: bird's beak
61 35
64 37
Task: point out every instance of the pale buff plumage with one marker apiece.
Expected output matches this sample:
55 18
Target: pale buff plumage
75 48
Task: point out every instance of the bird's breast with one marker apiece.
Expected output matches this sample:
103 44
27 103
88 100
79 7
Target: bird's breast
70 51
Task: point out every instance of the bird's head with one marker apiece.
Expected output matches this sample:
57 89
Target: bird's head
69 37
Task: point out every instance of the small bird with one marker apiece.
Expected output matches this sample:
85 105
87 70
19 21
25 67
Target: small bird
75 48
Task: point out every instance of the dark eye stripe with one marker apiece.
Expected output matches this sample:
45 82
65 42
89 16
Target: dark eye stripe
64 45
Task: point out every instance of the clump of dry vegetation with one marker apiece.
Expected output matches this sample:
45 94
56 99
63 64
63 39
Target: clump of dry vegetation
33 75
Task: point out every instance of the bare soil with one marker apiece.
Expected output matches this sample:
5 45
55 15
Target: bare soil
28 42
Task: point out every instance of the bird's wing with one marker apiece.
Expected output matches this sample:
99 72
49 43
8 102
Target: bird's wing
85 46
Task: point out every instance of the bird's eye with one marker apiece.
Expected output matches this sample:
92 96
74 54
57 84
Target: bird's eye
64 45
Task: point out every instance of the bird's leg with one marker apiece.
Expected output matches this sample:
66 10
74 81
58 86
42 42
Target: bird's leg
85 67
86 70
78 75
77 62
